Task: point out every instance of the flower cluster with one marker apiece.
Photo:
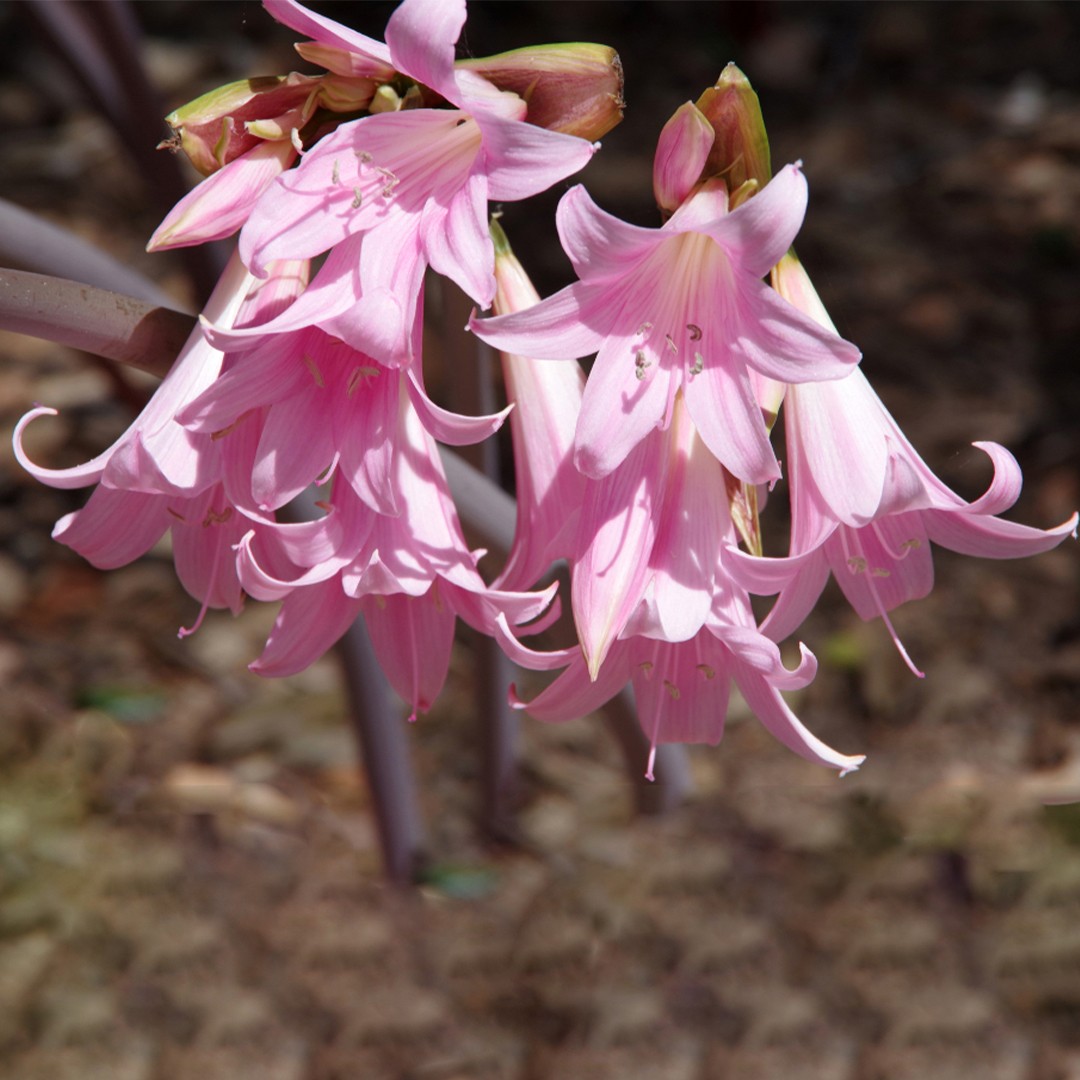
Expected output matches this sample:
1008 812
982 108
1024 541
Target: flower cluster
304 380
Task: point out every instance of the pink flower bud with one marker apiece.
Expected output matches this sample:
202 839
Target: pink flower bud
681 154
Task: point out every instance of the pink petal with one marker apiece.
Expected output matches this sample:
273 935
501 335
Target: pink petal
566 326
221 204
421 35
758 233
266 376
333 291
531 658
115 527
722 406
1005 486
267 582
781 342
76 476
310 621
203 551
457 242
451 428
685 556
771 709
681 690
799 580
548 400
522 160
883 565
755 650
328 32
413 638
573 694
990 537
618 409
617 529
835 428
481 606
296 446
366 437
600 245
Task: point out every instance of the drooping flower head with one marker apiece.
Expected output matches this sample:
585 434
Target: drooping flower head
866 506
396 191
679 309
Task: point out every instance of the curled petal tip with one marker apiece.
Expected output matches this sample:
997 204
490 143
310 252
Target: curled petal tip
852 766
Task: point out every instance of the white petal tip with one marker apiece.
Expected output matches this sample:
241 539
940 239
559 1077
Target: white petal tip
852 766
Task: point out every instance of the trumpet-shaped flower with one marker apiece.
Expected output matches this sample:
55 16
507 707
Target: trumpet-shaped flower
547 400
682 687
866 506
324 407
159 477
156 454
678 309
409 573
413 185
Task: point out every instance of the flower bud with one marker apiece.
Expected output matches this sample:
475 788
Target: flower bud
223 124
216 128
741 149
681 153
574 88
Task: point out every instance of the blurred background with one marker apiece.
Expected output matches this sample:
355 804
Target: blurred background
190 881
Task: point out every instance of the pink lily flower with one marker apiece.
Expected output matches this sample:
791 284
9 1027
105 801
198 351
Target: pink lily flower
155 454
413 185
158 477
411 572
865 506
324 406
679 308
652 528
682 687
546 400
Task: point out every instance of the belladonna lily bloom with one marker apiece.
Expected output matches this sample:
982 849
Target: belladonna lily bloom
323 408
866 506
678 309
547 400
395 191
155 454
410 573
654 604
159 477
682 687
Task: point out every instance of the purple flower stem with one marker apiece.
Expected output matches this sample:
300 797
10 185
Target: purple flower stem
28 242
383 740
108 324
384 752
